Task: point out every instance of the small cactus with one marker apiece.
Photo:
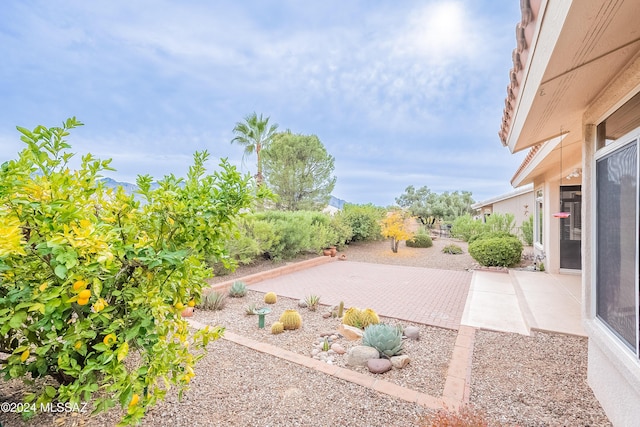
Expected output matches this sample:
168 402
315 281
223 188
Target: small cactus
352 317
312 302
369 317
291 319
277 328
238 290
270 298
341 309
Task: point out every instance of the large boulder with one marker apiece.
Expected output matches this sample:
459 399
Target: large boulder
360 354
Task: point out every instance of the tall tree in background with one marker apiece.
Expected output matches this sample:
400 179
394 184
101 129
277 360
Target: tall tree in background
254 134
299 170
425 204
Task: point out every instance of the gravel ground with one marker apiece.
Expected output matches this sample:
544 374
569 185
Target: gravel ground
516 380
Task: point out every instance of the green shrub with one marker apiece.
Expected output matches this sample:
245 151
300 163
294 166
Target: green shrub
421 239
364 221
490 235
496 251
498 222
526 229
452 249
464 227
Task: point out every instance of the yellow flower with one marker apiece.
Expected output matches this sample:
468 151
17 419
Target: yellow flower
191 303
78 345
109 339
179 305
86 294
43 287
83 301
24 356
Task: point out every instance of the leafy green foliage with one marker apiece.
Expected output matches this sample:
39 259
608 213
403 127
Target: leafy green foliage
503 251
420 239
88 275
299 170
363 220
526 229
465 227
385 338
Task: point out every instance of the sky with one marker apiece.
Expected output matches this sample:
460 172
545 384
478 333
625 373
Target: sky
400 93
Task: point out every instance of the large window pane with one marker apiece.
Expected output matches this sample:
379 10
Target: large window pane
616 192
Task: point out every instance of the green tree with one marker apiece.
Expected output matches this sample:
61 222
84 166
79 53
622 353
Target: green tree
299 170
254 134
89 276
429 206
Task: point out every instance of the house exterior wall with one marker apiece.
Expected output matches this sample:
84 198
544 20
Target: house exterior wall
613 370
520 206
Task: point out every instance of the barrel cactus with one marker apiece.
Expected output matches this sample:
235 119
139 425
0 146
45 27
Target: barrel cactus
385 338
238 289
352 317
369 317
270 298
277 328
291 319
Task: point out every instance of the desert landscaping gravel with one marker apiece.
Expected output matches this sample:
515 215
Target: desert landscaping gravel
516 380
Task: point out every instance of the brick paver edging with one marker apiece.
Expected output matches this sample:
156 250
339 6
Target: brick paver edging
270 274
456 388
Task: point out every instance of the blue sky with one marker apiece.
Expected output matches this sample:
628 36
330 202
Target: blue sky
400 93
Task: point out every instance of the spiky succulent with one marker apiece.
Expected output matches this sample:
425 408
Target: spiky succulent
369 317
238 289
250 309
270 298
385 338
352 317
291 319
214 300
277 328
312 302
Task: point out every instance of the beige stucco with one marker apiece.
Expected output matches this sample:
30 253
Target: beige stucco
583 63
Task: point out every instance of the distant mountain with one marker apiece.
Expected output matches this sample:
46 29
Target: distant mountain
127 186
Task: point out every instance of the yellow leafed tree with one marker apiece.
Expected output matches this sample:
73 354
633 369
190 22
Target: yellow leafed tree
393 226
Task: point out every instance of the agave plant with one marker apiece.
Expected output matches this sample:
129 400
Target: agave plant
385 338
238 289
214 301
312 302
250 309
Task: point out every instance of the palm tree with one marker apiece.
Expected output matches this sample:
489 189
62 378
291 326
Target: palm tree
254 134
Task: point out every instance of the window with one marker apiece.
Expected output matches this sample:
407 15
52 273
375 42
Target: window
617 285
539 218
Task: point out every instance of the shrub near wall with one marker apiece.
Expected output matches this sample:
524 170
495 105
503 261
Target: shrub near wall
422 239
496 251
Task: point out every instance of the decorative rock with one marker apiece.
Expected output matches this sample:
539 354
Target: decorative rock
338 349
360 354
302 303
325 334
412 332
400 362
315 352
349 332
326 315
333 337
378 366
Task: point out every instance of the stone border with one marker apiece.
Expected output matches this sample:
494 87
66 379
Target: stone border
456 389
270 274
